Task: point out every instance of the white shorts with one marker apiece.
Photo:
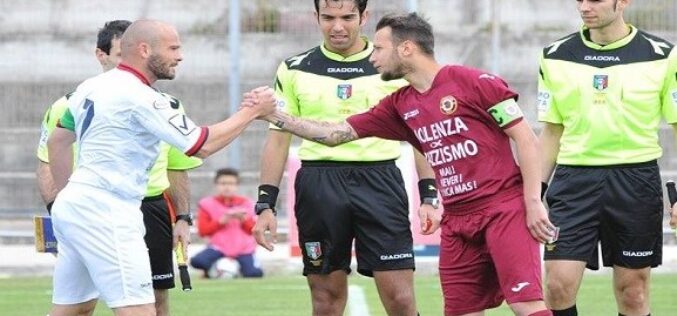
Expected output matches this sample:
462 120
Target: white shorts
102 252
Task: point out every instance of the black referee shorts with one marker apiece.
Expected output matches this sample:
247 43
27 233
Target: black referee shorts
158 238
619 206
365 201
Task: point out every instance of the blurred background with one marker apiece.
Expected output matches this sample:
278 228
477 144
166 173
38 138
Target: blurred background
230 46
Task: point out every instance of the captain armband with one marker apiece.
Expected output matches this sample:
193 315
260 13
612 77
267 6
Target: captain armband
506 112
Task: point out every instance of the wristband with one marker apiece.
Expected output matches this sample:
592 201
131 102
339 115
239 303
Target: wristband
268 194
544 187
427 189
49 207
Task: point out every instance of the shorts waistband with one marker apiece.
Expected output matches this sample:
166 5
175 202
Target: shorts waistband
329 163
651 163
153 198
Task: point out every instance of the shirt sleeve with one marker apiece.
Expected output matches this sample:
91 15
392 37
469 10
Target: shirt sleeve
176 159
171 126
285 93
547 109
45 131
206 225
669 93
382 121
67 121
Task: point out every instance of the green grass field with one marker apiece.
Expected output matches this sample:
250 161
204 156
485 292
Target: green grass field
289 296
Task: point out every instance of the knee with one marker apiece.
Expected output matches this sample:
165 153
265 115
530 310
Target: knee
633 298
560 291
327 300
401 300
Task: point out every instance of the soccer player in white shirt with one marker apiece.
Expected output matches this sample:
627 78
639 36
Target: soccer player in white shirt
118 119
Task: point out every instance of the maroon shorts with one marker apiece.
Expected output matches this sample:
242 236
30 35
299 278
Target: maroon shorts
487 256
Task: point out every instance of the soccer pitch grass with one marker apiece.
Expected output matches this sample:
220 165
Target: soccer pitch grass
283 296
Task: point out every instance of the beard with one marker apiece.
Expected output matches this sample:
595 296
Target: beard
159 69
398 73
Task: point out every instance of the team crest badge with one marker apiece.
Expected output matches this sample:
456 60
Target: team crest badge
344 91
448 105
313 250
600 82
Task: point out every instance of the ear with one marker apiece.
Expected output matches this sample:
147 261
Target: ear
406 48
144 50
100 55
364 17
622 4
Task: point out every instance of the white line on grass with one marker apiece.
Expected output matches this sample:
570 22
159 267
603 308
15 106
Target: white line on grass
357 302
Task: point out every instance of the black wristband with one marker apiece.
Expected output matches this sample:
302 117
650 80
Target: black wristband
544 187
49 208
268 194
427 189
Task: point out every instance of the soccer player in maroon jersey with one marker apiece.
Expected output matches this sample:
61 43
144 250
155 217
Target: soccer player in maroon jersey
462 119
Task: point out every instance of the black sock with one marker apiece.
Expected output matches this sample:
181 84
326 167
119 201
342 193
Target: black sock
571 311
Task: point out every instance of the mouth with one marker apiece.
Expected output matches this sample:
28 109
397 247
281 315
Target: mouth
338 37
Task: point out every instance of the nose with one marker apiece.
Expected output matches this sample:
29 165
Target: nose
371 58
337 26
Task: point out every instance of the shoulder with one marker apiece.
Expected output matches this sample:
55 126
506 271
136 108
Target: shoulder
174 102
302 60
564 45
654 46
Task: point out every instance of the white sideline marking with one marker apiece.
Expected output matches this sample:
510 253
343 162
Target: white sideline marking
357 302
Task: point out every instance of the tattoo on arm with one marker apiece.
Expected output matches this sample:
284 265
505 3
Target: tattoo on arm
327 133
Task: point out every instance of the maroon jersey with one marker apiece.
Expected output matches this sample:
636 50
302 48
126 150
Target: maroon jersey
453 126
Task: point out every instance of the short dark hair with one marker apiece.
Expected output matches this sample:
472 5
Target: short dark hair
227 172
410 27
110 31
361 4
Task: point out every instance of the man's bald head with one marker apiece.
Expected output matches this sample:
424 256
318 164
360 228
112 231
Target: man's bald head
153 46
144 31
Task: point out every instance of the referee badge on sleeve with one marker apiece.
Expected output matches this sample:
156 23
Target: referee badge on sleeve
182 123
674 97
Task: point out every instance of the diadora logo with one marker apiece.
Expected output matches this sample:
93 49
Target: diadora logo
397 256
637 253
520 286
332 70
601 58
410 114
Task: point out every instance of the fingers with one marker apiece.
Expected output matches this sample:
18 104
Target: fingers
262 225
542 230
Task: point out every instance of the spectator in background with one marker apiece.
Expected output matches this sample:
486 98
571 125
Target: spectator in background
227 220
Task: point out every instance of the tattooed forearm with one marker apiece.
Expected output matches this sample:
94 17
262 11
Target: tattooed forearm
327 133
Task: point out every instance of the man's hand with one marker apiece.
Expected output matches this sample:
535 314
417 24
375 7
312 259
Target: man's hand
182 235
266 222
430 219
261 99
538 223
673 217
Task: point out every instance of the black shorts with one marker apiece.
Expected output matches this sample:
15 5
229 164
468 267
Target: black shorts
619 206
366 201
158 238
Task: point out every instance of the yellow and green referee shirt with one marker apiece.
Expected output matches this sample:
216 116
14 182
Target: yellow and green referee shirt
321 85
169 158
610 98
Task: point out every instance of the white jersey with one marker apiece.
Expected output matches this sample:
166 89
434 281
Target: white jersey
119 121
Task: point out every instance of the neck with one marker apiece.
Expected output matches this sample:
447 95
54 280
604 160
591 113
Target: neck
610 33
423 74
359 46
142 70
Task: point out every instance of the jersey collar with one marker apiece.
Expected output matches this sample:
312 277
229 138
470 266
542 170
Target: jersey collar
619 43
354 57
134 72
